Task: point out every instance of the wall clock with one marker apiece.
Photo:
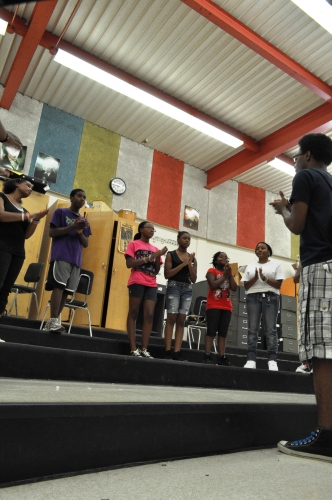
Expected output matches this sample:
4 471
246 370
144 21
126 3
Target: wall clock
117 185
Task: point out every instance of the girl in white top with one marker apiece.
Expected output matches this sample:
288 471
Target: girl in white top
262 282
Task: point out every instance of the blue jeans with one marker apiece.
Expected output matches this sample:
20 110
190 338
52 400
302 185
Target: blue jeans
178 297
262 306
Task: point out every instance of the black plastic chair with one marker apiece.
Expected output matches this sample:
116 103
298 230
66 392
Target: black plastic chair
32 275
84 287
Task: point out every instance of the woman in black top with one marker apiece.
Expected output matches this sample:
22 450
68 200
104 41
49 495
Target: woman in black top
181 271
16 225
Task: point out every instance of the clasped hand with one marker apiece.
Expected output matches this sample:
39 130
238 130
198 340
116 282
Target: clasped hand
280 204
80 224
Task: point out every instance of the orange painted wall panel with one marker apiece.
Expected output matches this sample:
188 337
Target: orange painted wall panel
250 216
165 190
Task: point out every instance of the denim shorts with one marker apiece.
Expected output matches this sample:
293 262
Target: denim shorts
178 297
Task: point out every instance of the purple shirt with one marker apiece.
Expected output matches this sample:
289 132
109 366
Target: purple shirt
67 247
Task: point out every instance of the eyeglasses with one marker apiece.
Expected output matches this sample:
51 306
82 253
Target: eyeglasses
149 227
296 156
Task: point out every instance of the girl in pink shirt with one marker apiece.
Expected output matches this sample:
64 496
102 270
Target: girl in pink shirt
144 261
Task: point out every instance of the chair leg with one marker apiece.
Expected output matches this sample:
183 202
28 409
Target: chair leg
199 338
43 320
14 302
72 314
215 346
189 336
89 318
37 306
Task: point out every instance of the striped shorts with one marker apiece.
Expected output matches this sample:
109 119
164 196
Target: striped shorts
315 311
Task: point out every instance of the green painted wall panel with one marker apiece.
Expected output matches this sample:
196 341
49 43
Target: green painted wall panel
97 162
295 246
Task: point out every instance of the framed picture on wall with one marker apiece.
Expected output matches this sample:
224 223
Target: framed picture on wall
191 217
47 168
12 158
126 235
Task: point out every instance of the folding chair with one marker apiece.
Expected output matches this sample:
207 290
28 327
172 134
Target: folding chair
84 287
32 275
199 324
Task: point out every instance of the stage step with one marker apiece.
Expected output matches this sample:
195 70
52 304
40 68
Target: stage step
27 331
40 441
20 360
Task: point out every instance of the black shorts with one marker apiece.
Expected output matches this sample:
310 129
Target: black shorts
143 292
217 322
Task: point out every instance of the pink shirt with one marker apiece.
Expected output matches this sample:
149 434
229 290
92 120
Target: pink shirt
145 274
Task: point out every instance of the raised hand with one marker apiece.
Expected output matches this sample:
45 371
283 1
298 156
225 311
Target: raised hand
39 215
281 204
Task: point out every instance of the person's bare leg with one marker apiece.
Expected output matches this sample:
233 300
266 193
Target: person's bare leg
134 303
55 302
208 343
323 391
148 309
169 327
221 345
180 320
63 300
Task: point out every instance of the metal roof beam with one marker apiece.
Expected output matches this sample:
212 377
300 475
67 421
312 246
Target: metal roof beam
48 40
318 120
39 19
258 44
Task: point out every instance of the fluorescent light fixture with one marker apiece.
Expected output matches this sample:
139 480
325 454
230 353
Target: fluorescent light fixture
143 97
283 166
319 10
3 27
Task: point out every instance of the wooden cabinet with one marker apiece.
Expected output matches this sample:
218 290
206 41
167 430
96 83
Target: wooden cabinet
96 258
118 301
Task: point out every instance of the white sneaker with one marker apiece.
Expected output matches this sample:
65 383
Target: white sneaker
2 340
250 364
54 325
304 368
273 366
145 354
135 353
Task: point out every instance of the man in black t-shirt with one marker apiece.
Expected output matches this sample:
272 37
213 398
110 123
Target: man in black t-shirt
309 214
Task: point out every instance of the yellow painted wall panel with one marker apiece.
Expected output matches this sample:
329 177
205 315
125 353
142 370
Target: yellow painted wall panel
295 246
97 162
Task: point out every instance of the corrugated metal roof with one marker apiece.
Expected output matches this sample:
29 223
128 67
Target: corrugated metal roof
170 46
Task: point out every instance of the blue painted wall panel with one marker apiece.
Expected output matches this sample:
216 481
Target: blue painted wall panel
59 135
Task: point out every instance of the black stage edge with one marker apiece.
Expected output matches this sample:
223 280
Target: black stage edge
50 363
27 332
44 440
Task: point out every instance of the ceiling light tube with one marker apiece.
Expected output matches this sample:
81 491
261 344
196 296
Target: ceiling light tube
319 10
283 166
115 83
3 27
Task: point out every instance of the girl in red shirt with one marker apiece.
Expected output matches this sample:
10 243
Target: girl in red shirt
218 306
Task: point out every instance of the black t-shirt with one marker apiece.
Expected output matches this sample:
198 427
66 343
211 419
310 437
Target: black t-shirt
12 234
311 188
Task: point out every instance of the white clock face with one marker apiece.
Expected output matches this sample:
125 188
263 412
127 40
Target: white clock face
117 185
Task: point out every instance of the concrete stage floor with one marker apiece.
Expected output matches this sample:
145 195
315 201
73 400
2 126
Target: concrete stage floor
258 475
252 475
50 391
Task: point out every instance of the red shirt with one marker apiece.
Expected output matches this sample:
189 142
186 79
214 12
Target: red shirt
219 298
